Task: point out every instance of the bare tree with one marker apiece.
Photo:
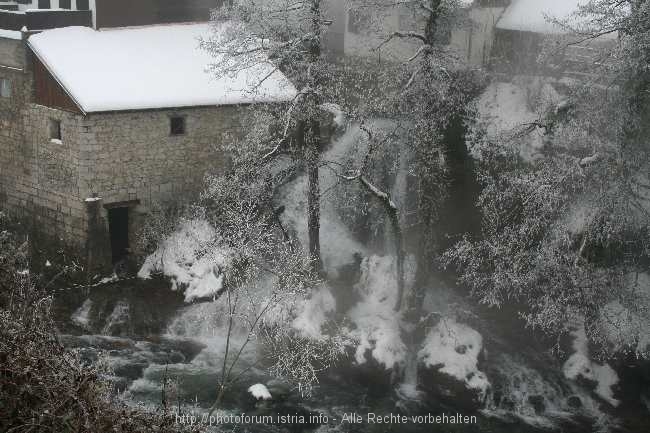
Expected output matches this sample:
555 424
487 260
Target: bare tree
288 36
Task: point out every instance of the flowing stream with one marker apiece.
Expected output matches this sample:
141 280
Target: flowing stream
158 350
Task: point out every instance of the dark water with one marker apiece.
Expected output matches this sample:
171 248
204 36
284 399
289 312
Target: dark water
160 351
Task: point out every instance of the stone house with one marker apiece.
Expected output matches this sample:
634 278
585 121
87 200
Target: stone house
98 127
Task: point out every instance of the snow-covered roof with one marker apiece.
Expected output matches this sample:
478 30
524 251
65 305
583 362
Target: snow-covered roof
531 15
149 67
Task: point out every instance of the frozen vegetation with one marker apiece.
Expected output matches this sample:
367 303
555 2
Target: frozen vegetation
192 257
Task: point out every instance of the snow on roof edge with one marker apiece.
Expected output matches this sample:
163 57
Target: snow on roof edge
191 86
11 34
531 15
67 92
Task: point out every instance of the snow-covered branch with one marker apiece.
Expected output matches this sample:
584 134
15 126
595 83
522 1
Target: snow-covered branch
589 160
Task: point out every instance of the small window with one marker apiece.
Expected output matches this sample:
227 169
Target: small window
82 5
44 4
5 88
55 129
65 4
177 125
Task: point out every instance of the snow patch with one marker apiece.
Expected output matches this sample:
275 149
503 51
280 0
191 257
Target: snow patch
191 258
579 365
456 348
260 392
10 34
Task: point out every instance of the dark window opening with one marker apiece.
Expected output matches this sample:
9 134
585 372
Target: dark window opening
65 4
82 5
177 125
118 228
55 129
44 4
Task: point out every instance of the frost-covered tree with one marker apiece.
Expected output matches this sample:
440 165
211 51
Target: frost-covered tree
231 249
568 235
422 97
428 93
289 36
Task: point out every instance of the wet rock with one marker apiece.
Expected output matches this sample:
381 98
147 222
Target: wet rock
280 390
130 371
574 402
537 402
188 348
176 357
371 376
501 400
450 391
127 307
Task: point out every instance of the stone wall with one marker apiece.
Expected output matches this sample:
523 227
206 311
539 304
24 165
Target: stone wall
124 158
132 155
12 53
39 180
131 159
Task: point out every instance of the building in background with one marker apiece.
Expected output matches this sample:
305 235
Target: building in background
362 31
97 127
105 109
47 14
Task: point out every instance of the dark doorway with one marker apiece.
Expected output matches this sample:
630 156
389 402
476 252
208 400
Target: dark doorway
118 226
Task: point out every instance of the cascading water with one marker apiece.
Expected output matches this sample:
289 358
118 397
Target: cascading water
454 362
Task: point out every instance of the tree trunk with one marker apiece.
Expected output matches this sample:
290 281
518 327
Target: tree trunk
312 158
311 137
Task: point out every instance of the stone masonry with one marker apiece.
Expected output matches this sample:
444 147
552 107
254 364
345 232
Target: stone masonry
123 158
